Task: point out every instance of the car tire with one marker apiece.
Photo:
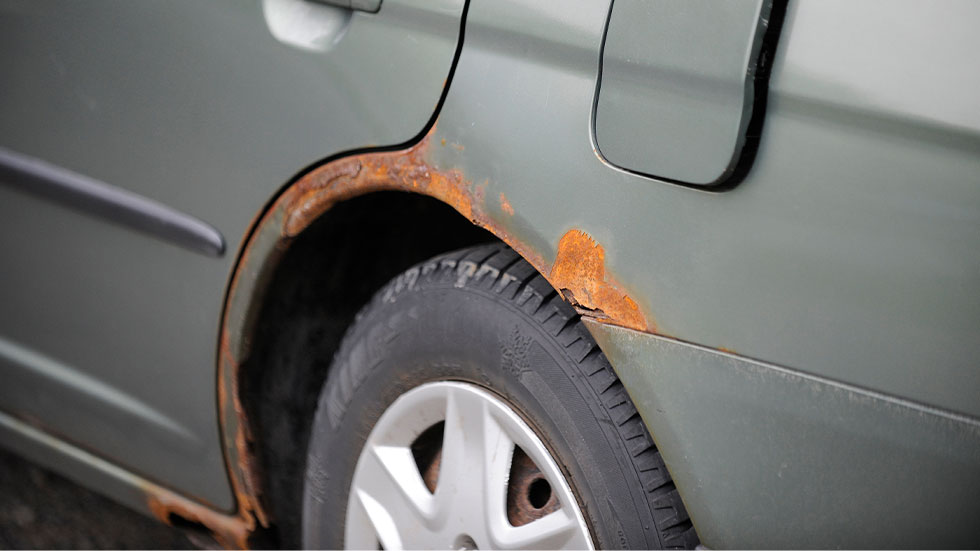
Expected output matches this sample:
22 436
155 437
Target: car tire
480 327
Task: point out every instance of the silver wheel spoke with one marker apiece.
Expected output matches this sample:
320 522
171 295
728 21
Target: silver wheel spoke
390 503
381 520
394 497
476 457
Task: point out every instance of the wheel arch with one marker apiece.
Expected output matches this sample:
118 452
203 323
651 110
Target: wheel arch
338 208
347 210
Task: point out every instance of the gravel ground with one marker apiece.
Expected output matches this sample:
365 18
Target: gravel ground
42 510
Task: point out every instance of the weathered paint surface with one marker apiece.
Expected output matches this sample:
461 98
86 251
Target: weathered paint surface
579 271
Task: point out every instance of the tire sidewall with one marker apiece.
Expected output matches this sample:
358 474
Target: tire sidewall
435 330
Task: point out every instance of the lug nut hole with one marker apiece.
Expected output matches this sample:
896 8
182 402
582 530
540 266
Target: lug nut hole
538 493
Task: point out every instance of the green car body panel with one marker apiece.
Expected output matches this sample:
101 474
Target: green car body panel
677 86
197 106
804 343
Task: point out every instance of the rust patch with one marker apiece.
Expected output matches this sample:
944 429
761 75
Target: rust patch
505 205
247 486
579 273
404 170
232 531
227 530
301 204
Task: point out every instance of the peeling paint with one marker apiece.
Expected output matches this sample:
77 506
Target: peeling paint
579 273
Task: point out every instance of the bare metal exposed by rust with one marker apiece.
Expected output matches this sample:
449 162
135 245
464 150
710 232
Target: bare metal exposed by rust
579 273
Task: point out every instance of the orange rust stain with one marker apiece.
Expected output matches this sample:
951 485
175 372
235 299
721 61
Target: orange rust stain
579 273
297 208
229 531
505 205
404 170
246 486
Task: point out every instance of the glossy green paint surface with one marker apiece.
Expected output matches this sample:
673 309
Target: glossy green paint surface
109 338
676 90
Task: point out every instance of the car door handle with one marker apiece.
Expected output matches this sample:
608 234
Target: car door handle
306 24
370 6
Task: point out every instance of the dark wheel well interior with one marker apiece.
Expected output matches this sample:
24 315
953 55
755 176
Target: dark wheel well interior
328 273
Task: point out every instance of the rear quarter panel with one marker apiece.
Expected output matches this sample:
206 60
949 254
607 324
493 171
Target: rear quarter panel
847 258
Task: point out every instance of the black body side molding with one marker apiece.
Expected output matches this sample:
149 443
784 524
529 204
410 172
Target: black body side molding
108 202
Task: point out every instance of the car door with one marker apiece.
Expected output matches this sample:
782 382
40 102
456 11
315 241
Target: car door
138 140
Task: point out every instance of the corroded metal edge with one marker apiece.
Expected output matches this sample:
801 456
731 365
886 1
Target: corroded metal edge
578 271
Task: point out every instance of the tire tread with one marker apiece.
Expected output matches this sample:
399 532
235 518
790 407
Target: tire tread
498 269
535 296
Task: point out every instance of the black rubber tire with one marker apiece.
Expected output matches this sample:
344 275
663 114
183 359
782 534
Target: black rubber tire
484 315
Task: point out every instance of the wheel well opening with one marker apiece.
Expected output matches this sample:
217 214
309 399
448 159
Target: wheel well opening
328 273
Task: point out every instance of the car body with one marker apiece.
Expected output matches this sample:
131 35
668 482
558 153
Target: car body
793 309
